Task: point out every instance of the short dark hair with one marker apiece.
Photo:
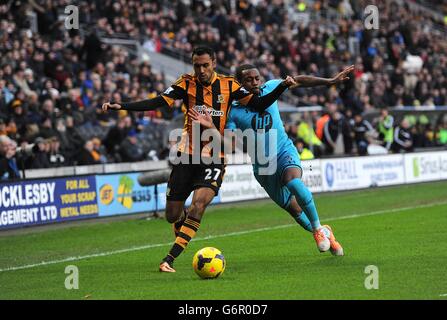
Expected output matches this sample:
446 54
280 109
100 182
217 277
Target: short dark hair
201 50
240 71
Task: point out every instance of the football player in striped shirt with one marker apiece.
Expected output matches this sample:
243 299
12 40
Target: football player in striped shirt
205 91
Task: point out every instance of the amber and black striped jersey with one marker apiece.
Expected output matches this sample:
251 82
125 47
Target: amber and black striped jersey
216 98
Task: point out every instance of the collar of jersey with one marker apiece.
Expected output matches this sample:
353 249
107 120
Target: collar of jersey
261 89
212 79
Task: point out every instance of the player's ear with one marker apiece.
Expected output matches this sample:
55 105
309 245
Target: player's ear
214 62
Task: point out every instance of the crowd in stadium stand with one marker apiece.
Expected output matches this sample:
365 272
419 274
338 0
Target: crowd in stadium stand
52 81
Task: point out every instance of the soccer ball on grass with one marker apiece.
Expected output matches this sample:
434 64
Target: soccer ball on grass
208 263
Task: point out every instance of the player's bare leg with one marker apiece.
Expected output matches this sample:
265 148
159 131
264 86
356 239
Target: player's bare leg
175 214
174 210
201 199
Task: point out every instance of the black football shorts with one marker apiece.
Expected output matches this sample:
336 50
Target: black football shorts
185 178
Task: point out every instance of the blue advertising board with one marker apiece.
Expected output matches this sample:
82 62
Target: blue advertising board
33 202
122 194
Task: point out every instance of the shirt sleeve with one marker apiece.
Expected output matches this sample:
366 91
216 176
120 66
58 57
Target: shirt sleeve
230 124
272 84
145 105
177 91
255 102
240 94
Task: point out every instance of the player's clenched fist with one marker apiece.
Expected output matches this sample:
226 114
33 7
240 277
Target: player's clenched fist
289 81
114 106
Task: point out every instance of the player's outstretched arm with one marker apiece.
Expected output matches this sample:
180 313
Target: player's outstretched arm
143 105
261 103
310 81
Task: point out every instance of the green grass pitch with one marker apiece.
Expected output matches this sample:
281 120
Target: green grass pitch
401 230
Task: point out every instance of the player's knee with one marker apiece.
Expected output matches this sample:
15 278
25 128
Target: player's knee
292 173
197 208
173 214
171 218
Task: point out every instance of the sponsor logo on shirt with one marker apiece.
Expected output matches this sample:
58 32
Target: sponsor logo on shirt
211 111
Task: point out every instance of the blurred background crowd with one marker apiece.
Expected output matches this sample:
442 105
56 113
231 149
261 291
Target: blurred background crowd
52 80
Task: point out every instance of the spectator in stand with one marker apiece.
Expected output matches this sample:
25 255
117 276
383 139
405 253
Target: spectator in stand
88 156
337 134
386 128
363 131
9 169
421 133
46 130
74 139
99 150
441 134
303 150
3 131
308 136
19 117
11 128
319 127
56 158
93 48
130 150
292 131
117 134
40 158
403 138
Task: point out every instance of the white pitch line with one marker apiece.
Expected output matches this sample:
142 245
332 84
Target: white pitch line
373 213
443 295
149 246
